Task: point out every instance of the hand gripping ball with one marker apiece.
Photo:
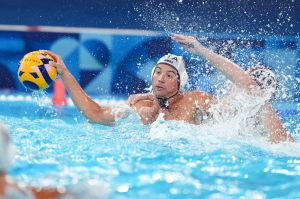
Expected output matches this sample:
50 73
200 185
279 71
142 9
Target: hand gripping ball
34 71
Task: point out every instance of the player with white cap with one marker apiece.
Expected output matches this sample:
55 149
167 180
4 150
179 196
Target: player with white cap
169 77
257 81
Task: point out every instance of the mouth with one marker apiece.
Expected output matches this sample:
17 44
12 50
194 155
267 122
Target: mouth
159 88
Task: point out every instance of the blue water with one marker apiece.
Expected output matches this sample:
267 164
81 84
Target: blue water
58 147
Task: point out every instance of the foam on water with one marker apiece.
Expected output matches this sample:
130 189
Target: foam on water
228 136
234 123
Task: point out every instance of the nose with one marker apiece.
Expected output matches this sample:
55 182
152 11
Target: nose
161 78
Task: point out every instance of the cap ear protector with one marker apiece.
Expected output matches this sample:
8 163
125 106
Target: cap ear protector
176 62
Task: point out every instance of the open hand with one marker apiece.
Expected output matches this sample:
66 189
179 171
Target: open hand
188 42
58 62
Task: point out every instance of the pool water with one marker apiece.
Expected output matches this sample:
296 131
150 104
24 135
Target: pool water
58 147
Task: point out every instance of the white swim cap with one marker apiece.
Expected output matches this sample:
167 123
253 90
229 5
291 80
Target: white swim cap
7 149
265 78
176 62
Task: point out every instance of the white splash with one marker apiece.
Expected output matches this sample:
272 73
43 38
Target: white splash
231 127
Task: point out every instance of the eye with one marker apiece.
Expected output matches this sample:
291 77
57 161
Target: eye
171 75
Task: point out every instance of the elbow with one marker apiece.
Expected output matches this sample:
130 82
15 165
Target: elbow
98 116
91 116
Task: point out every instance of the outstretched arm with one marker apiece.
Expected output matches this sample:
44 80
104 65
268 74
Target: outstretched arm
91 110
231 70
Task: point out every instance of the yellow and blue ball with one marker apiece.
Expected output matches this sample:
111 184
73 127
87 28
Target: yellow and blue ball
34 71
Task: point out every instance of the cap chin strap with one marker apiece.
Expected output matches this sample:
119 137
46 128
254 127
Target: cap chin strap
163 101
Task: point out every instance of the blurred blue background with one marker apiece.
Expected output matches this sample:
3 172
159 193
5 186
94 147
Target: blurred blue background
111 46
278 17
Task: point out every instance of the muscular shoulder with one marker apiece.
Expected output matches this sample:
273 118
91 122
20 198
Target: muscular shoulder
201 98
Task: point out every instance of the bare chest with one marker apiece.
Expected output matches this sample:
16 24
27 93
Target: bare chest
180 111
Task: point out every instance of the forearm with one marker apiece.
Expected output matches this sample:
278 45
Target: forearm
272 122
280 135
231 70
84 103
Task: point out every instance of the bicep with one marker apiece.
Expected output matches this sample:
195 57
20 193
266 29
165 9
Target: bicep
271 119
273 123
203 100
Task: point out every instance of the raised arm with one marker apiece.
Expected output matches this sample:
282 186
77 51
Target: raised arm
231 70
90 109
241 78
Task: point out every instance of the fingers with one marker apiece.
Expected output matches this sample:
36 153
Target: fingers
181 38
186 44
133 99
178 36
185 41
59 67
57 61
56 57
49 53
